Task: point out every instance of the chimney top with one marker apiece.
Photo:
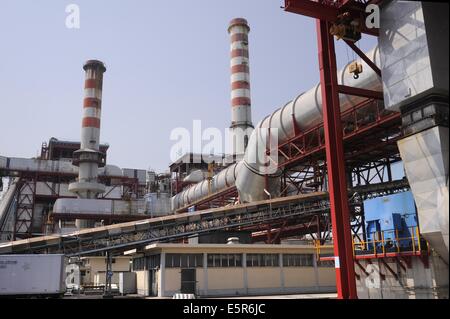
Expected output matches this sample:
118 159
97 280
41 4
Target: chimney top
238 21
94 64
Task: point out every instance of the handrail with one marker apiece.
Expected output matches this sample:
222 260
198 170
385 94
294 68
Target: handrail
378 242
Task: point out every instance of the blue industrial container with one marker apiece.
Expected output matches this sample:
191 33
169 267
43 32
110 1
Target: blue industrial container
391 217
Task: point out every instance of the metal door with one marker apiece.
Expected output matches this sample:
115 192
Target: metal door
152 283
188 281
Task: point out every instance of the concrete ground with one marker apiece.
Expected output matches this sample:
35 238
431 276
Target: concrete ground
294 296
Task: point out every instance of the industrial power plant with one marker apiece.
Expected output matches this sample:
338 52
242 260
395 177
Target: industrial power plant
342 192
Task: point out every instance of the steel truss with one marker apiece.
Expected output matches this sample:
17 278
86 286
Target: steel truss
137 234
227 196
300 212
26 197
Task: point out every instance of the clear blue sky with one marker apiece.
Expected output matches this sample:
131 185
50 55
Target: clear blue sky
168 63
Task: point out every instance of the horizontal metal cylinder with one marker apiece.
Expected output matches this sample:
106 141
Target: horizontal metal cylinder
306 112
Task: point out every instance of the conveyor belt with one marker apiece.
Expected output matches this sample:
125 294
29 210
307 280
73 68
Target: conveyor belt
122 236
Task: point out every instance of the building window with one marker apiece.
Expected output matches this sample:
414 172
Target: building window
224 260
297 260
238 260
210 260
262 260
184 260
153 261
139 263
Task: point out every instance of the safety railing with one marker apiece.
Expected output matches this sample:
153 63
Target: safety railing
382 244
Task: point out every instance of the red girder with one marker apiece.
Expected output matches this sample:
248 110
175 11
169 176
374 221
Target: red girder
312 9
296 155
405 256
337 185
327 10
311 142
349 90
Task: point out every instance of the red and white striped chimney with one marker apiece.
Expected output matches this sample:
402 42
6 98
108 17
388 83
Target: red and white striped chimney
241 117
89 157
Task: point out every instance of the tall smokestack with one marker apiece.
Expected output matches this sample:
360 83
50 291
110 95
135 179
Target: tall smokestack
89 157
241 117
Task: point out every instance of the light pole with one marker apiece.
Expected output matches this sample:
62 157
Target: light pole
270 201
108 276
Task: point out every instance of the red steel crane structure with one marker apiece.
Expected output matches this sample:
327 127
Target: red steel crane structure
358 144
326 13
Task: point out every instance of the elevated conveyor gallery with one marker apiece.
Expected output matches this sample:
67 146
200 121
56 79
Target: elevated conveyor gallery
124 236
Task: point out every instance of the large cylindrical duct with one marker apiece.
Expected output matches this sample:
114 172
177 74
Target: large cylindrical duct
251 177
305 111
241 117
89 157
220 181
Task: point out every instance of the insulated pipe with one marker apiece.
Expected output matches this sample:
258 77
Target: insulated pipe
89 157
220 181
306 112
241 118
250 176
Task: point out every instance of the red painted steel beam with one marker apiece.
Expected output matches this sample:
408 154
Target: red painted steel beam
340 217
350 90
387 122
375 2
389 255
364 57
330 12
311 9
370 148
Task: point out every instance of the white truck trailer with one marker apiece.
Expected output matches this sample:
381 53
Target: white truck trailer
32 275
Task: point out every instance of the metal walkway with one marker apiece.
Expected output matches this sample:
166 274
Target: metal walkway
125 236
121 237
